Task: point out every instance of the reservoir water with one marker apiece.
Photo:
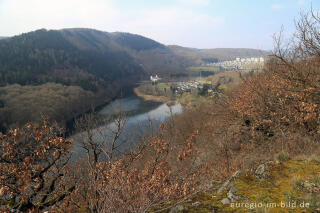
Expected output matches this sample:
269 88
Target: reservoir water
142 118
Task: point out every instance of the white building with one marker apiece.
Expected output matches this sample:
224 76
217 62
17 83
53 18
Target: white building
154 79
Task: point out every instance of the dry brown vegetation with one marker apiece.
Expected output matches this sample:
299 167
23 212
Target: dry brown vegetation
229 80
274 111
33 166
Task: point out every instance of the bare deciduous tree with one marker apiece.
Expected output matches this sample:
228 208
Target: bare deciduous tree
33 164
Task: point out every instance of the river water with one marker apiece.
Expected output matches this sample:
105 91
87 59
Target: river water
142 118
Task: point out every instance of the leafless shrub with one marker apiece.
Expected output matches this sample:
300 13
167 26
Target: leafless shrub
33 165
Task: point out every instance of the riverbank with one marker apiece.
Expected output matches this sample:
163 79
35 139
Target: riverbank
141 118
69 124
187 100
151 97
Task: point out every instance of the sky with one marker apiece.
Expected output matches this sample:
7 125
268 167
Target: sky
189 23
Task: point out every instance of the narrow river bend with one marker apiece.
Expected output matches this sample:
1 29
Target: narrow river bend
143 118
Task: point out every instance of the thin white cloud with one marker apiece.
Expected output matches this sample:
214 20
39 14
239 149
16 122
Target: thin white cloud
169 25
17 16
175 24
301 2
277 6
195 2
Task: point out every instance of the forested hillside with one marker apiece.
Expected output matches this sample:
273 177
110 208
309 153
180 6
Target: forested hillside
94 61
44 56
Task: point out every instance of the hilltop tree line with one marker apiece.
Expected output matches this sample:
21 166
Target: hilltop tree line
35 67
32 58
95 61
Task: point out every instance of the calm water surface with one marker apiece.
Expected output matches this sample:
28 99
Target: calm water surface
143 117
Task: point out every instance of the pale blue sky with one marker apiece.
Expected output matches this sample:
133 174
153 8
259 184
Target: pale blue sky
192 23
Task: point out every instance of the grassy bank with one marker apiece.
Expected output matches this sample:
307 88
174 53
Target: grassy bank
151 97
163 92
186 99
288 186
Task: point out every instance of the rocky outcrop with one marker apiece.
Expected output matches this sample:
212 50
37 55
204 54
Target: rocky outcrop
262 171
268 181
227 183
232 196
176 209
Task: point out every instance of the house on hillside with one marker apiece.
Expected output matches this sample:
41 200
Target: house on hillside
154 79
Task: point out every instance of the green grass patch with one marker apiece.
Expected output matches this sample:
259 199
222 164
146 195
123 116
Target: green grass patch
286 183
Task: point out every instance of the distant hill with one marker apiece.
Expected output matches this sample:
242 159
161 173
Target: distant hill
84 57
199 56
83 68
2 37
154 57
82 60
94 59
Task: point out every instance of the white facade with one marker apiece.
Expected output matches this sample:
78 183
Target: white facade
155 78
241 63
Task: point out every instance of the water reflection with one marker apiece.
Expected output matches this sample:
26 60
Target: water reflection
144 117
